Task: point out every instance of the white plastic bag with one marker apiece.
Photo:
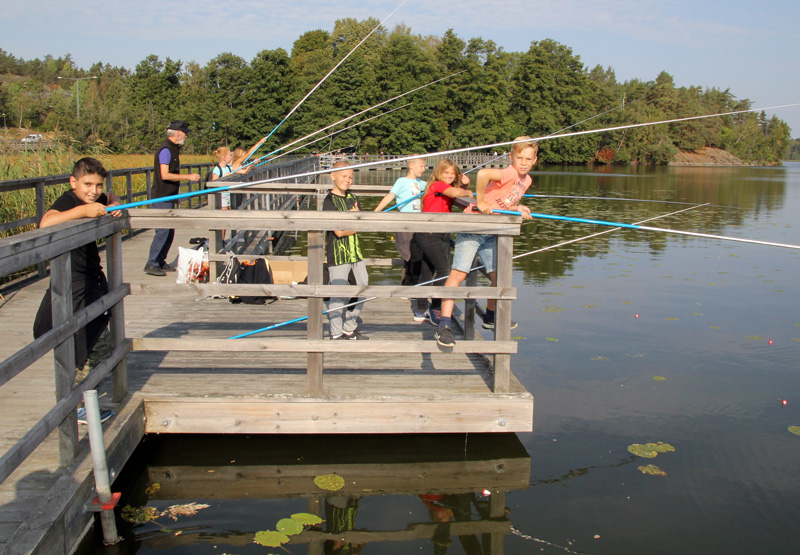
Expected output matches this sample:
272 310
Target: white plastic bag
192 265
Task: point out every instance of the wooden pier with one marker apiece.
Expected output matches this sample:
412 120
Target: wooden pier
173 369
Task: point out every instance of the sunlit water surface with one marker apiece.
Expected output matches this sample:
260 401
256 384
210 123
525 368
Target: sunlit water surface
599 319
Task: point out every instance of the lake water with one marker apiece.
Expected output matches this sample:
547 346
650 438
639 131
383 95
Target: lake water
629 337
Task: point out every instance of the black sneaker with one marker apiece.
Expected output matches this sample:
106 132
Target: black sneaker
444 337
154 270
357 335
167 268
343 336
489 324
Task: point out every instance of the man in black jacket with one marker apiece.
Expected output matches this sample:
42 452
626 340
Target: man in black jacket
166 183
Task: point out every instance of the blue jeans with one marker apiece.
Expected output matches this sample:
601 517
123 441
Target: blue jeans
162 240
470 244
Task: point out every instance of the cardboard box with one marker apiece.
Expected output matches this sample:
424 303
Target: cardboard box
284 272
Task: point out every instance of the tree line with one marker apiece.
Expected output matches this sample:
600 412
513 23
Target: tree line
494 96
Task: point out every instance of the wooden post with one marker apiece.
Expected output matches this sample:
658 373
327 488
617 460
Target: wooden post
119 376
469 308
128 188
502 316
64 354
41 267
314 506
316 256
215 242
497 510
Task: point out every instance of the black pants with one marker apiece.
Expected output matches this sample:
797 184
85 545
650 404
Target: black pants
435 248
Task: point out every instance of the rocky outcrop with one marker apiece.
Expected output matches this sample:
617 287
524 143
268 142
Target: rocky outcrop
706 156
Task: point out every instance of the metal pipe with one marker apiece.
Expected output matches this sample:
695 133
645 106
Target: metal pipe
102 483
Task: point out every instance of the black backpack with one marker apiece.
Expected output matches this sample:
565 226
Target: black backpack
252 271
210 173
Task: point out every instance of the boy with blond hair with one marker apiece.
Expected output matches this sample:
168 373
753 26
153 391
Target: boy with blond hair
500 189
344 255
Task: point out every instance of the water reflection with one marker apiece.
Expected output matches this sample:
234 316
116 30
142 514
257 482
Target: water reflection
400 492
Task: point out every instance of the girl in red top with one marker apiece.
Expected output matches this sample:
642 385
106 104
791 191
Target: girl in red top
435 247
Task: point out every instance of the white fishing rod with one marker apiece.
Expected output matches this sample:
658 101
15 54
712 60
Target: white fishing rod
442 153
340 131
326 76
366 300
261 161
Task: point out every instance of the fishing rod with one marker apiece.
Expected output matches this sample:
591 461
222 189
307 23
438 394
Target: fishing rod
361 301
260 161
398 205
340 131
646 228
324 78
610 198
555 133
442 153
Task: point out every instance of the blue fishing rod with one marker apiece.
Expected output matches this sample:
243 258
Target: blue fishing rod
302 318
550 247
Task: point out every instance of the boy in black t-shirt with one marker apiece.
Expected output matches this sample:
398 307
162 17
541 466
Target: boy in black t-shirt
344 255
85 200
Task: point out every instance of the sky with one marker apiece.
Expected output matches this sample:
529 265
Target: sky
750 48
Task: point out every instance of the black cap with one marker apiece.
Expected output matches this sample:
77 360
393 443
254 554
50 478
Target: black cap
179 125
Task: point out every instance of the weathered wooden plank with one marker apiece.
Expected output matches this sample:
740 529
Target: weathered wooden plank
502 332
58 416
23 358
305 220
321 346
323 416
298 290
20 251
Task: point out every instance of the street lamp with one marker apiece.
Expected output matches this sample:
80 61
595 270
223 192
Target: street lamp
78 91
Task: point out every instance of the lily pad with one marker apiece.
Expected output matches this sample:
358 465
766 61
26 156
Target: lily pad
329 482
289 526
553 309
755 337
650 450
642 451
551 339
270 538
599 358
795 430
307 519
659 378
671 318
652 469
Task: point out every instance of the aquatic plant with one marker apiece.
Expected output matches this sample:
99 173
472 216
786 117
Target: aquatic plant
329 482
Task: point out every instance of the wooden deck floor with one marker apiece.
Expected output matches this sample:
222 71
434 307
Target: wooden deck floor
248 393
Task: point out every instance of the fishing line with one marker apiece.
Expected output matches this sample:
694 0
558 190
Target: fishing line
261 160
623 105
340 131
647 228
442 153
360 301
326 76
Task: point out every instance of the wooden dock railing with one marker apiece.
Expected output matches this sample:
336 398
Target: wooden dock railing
316 224
54 244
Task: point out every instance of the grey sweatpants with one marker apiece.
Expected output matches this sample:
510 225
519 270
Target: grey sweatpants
342 320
